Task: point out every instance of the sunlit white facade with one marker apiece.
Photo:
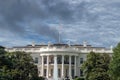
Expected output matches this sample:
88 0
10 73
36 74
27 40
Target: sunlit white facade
69 58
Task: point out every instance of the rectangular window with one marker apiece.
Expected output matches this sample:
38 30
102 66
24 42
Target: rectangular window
36 60
59 72
81 60
81 72
45 59
44 72
66 75
59 59
51 72
51 60
72 60
66 59
73 73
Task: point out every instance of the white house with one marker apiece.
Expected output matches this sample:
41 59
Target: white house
68 57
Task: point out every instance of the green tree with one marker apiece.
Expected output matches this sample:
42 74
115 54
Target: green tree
17 66
22 67
79 79
2 56
115 63
96 66
4 64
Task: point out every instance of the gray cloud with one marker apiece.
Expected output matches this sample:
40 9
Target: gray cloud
44 30
15 12
81 19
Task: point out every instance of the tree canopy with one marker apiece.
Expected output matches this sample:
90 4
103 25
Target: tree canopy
17 66
96 66
115 63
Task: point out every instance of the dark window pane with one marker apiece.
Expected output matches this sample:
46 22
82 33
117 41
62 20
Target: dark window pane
81 60
36 60
81 72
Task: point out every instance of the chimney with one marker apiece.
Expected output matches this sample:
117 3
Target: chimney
84 44
69 44
33 43
111 47
49 43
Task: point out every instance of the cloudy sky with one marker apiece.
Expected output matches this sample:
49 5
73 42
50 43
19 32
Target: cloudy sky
25 21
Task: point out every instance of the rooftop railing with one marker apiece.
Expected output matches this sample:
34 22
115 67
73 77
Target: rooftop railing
83 50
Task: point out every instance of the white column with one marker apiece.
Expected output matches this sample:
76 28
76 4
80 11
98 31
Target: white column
62 66
47 74
70 66
55 72
75 66
42 66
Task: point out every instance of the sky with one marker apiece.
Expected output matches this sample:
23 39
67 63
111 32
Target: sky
25 21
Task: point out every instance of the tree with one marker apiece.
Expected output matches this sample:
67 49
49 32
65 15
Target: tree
115 63
22 67
17 66
79 79
4 63
2 56
96 66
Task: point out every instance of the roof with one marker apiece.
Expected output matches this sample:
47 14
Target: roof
58 45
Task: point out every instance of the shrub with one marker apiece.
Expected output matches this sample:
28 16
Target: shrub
79 79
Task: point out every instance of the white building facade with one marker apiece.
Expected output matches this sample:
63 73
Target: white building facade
69 58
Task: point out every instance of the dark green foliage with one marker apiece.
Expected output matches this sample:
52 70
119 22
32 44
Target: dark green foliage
38 78
96 66
3 59
17 66
79 79
115 63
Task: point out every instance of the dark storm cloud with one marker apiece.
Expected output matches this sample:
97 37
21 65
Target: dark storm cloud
15 12
45 30
97 18
60 9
